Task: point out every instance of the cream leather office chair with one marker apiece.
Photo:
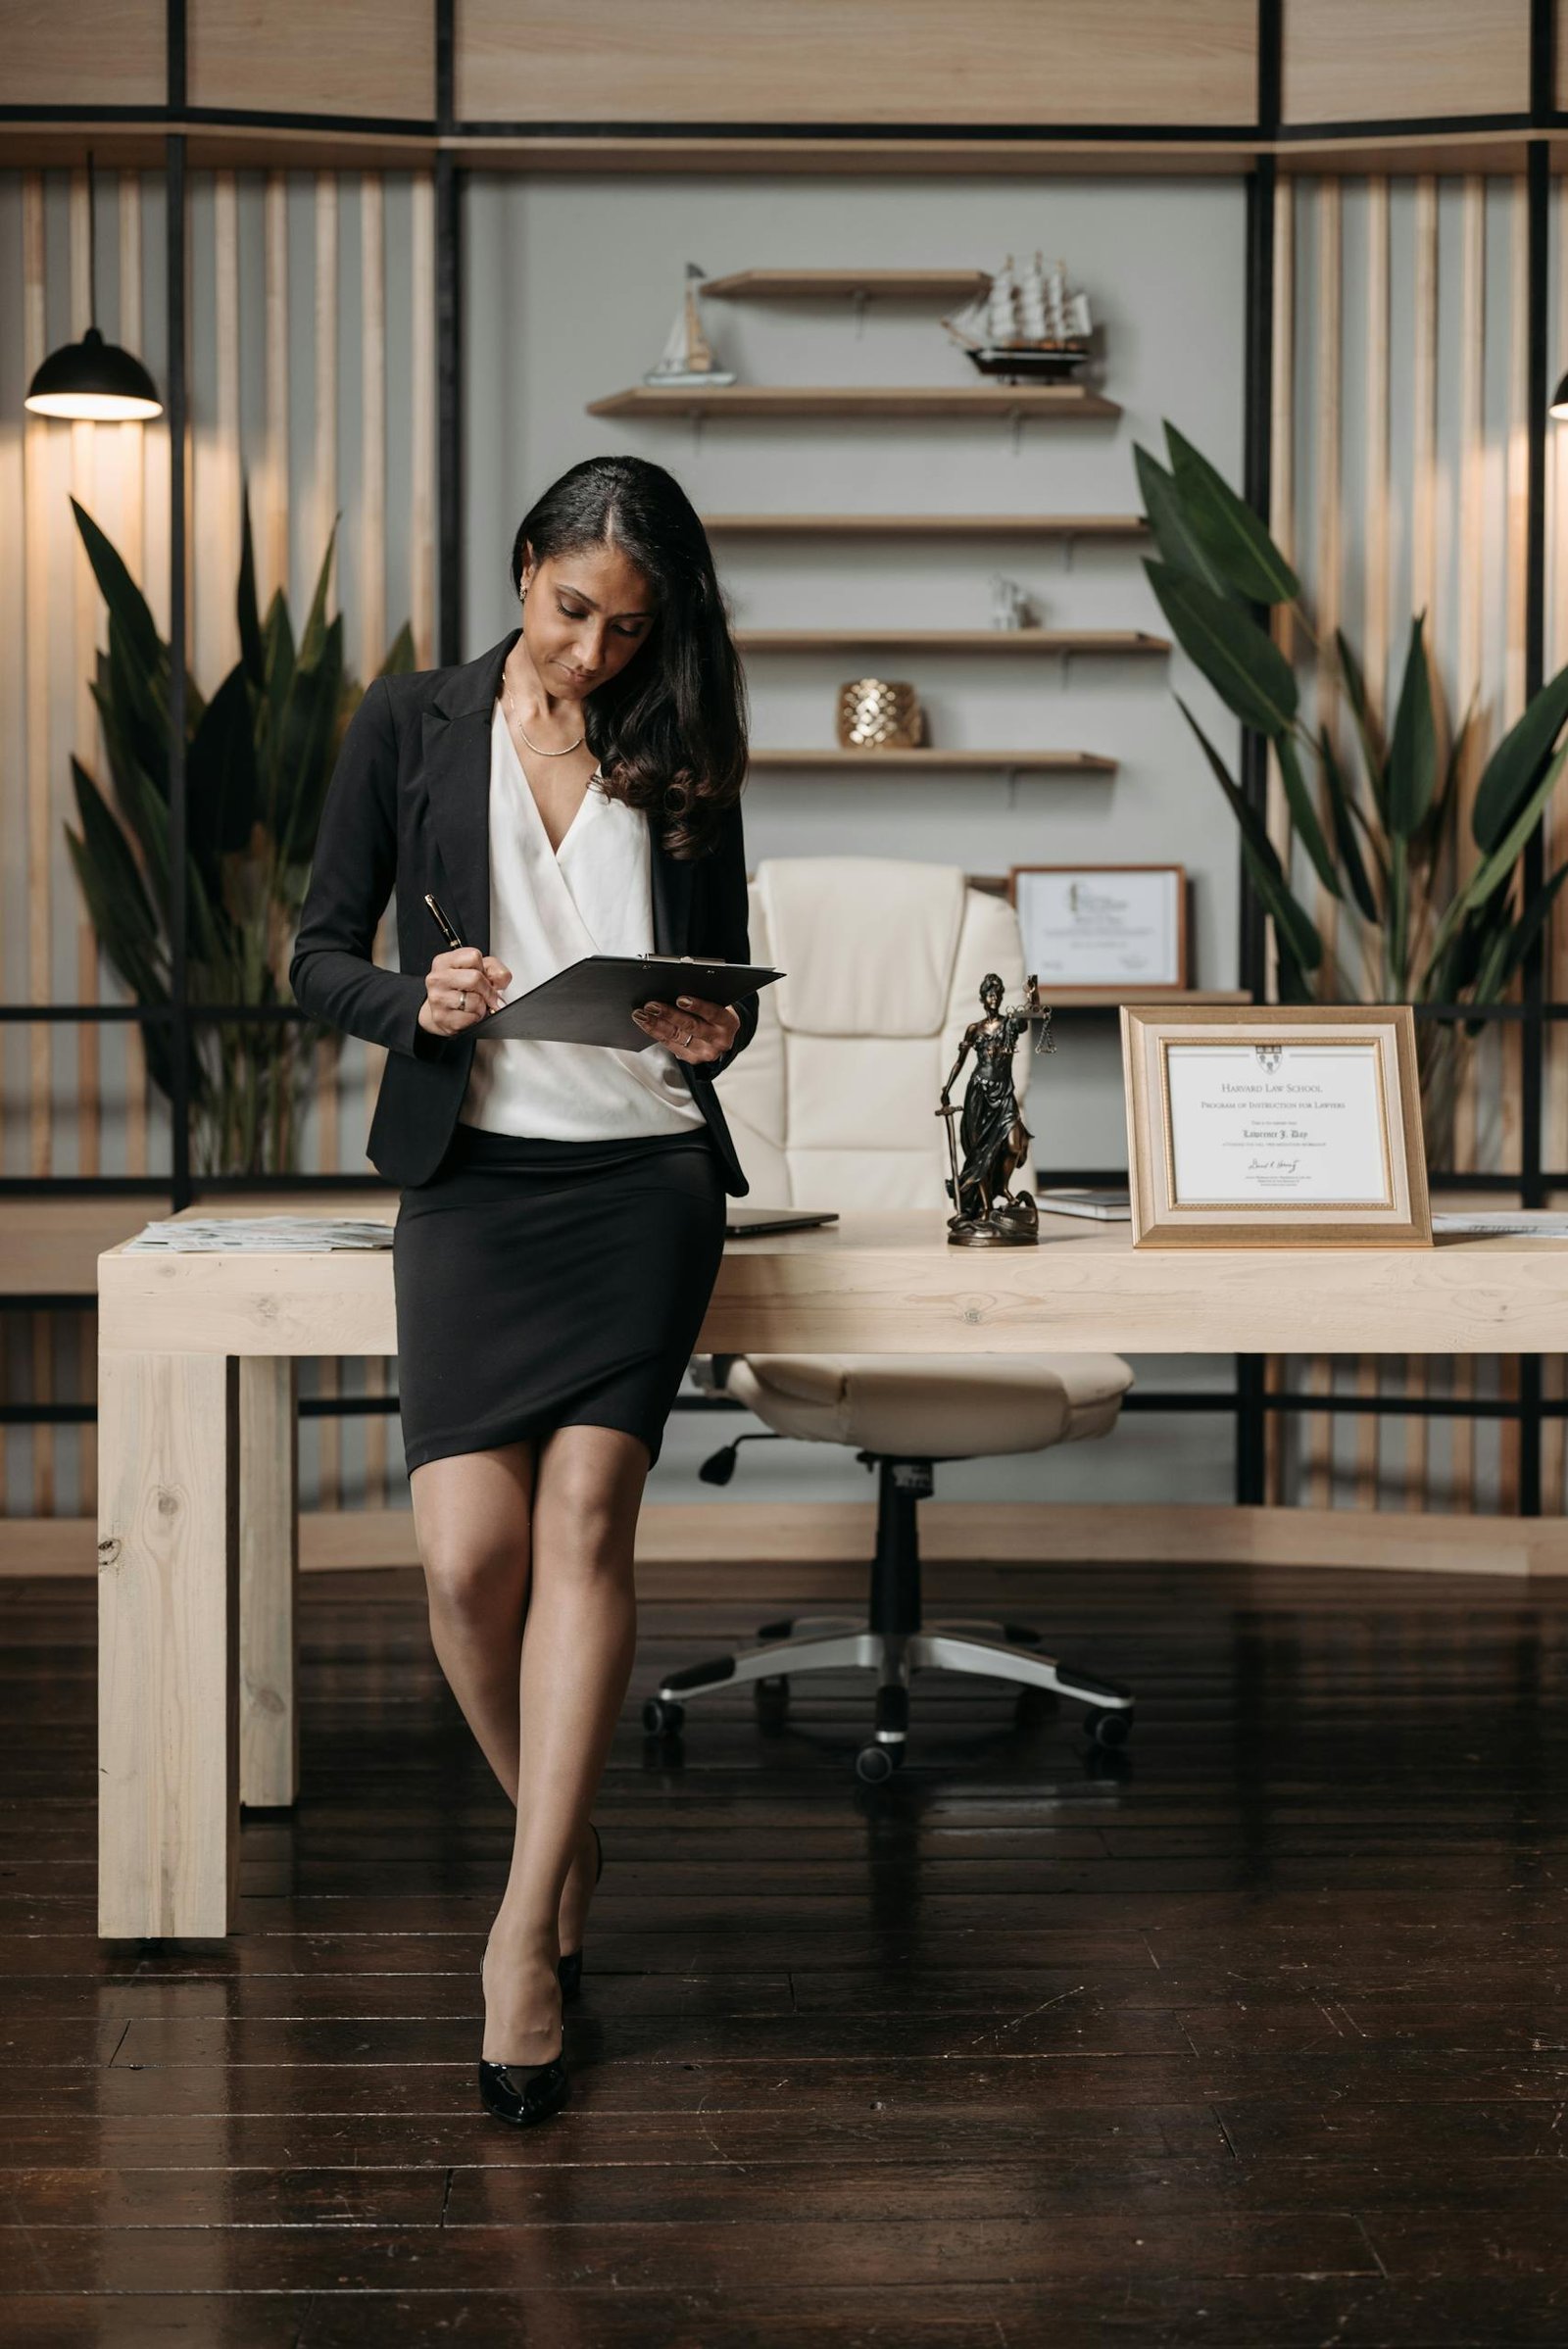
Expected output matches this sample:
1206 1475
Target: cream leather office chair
832 1104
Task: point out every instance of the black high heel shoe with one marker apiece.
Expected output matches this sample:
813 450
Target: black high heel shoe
523 2094
569 1966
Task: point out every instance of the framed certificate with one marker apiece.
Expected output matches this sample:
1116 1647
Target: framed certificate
1276 1127
1100 926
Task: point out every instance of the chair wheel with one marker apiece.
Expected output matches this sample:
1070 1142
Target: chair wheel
1107 1731
875 1765
663 1718
772 1693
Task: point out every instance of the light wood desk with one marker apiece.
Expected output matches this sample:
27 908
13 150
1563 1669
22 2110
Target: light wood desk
198 1518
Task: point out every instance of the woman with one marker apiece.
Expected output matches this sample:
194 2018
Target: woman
574 790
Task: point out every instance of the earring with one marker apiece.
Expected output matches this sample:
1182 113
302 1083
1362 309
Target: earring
522 598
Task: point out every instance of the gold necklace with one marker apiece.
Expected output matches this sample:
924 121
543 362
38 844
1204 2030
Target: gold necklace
538 751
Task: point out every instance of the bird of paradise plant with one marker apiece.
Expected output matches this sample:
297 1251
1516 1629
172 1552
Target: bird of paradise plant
1415 920
258 756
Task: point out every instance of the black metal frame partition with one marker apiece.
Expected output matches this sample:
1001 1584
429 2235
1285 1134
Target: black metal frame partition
1248 1400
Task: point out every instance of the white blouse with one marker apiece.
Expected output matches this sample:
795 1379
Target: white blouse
549 908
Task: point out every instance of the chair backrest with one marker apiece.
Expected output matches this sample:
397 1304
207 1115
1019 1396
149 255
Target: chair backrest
833 1102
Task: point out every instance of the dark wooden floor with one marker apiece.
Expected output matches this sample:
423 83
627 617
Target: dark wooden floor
1264 2043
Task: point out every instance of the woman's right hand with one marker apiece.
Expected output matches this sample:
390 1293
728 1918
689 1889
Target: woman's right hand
460 986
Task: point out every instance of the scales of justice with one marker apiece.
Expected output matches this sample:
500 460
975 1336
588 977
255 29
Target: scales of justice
991 1135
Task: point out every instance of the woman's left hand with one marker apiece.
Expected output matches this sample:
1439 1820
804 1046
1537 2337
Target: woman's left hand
693 1030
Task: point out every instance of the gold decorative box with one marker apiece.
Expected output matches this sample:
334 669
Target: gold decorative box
877 713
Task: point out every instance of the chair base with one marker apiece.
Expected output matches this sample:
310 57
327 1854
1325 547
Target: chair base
893 1643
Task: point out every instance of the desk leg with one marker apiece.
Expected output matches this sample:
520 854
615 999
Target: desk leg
268 1580
167 1644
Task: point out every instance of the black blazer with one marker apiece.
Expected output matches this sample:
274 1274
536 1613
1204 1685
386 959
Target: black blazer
408 807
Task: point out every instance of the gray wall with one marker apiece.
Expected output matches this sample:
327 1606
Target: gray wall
569 292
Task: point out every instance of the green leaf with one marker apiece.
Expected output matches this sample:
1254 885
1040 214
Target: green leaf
1296 933
1413 751
1304 815
1448 790
1516 762
220 774
1167 519
1349 848
1511 942
114 893
1495 871
313 635
128 606
304 749
1374 751
1245 666
398 661
1232 535
252 650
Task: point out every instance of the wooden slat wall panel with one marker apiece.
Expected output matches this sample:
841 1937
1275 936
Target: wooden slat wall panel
1422 596
1319 1432
1468 681
1554 1140
897 61
132 541
1373 508
1511 1136
35 444
77 1102
1428 512
86 606
1281 523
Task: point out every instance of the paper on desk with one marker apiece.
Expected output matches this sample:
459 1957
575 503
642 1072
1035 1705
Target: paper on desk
1512 1223
258 1235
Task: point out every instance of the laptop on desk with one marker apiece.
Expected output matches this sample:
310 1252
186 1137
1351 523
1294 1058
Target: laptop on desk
745 1223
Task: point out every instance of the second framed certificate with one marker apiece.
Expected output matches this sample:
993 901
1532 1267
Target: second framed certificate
1089 928
1288 1126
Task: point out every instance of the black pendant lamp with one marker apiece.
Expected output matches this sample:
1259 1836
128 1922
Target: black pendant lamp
94 382
1559 402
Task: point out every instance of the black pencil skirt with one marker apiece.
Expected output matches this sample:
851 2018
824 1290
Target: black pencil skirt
544 1283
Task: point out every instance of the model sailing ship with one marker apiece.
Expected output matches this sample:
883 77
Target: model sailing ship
1028 326
687 363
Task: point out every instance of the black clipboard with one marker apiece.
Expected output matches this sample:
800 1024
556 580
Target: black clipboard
591 1002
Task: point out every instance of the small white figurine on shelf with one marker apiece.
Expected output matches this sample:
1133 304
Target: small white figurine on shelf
687 363
1010 606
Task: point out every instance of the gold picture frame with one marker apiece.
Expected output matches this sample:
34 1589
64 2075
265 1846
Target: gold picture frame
1233 1143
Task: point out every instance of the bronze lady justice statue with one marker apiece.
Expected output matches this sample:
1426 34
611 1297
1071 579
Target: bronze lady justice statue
993 1137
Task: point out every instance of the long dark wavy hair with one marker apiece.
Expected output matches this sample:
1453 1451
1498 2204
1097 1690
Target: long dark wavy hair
670 730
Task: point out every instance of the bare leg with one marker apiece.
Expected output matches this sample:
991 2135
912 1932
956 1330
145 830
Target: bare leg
472 1522
577 1650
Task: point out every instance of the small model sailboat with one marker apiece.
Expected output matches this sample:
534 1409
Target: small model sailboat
1027 327
687 362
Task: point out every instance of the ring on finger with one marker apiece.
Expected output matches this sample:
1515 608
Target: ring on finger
463 1001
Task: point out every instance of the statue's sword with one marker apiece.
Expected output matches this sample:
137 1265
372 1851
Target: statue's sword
949 1110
